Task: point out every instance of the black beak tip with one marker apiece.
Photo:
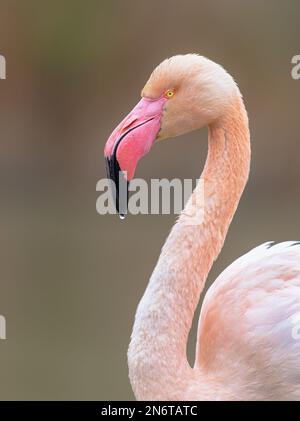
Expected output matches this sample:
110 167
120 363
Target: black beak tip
120 187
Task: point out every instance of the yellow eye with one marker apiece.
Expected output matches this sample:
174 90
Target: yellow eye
169 94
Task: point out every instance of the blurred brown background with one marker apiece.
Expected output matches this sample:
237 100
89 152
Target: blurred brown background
70 279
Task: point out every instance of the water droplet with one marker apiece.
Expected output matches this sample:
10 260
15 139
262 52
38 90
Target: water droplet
122 216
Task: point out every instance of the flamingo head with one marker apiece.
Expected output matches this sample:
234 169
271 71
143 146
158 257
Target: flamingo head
184 93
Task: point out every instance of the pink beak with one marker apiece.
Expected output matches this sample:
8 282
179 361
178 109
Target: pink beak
132 139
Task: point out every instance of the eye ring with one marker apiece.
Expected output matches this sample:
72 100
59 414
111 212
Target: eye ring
169 94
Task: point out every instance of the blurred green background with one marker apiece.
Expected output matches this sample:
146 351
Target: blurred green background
70 279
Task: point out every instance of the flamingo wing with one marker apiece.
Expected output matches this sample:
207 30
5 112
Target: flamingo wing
249 327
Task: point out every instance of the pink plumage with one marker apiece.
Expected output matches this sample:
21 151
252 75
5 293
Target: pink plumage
248 344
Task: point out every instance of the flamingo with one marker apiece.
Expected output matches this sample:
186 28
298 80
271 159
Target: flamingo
246 349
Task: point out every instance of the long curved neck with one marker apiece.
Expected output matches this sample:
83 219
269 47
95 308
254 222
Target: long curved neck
158 366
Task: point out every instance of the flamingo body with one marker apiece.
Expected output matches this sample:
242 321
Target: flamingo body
248 344
247 325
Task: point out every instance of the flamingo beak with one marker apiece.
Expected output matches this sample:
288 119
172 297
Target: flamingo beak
128 143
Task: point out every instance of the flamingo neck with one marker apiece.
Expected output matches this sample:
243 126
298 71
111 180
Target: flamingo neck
158 367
